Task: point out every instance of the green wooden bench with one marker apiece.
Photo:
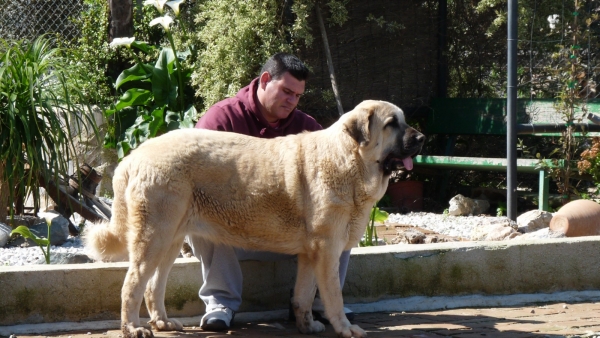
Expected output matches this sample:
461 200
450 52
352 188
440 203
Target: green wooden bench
454 116
495 164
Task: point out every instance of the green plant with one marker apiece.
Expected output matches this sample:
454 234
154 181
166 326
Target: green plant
377 215
589 162
573 77
92 52
41 110
234 37
42 242
501 209
153 99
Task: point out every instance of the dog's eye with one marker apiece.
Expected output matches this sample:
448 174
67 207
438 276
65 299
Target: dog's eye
391 122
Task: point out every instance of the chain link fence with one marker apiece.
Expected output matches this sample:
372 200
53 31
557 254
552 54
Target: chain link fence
28 19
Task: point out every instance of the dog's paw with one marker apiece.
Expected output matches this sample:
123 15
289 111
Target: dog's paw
310 326
129 331
166 325
353 331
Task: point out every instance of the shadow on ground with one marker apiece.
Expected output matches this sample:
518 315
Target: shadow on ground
553 321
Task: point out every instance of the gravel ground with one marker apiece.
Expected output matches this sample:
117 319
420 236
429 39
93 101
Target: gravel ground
456 226
15 256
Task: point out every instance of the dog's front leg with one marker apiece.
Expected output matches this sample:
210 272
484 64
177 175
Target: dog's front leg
304 294
328 280
155 293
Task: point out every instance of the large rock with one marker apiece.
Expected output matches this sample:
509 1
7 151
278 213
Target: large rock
496 230
464 206
4 234
544 233
481 206
533 220
59 227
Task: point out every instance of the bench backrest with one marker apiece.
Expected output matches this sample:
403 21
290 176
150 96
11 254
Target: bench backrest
488 116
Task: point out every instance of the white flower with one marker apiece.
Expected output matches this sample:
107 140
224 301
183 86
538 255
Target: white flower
159 4
116 42
552 20
174 4
165 21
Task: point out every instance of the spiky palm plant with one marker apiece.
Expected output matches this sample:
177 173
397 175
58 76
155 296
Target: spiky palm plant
41 113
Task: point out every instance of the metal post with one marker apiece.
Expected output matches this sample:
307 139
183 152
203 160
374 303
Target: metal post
511 135
544 191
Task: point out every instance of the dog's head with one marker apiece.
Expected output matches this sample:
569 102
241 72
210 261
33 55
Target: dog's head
382 135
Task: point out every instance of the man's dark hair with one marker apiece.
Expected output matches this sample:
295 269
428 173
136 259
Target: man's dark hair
280 63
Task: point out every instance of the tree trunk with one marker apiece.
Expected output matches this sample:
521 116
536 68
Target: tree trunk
4 193
121 19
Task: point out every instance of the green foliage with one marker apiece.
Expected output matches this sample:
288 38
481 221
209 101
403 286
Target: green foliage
339 13
228 42
570 71
476 55
44 243
235 37
153 99
389 26
501 210
92 53
377 215
38 115
91 49
589 162
477 47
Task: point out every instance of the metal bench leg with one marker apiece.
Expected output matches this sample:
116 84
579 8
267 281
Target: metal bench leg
544 191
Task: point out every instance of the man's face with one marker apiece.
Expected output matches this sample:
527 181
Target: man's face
280 96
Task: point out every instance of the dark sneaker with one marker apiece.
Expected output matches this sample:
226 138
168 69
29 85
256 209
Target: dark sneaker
217 319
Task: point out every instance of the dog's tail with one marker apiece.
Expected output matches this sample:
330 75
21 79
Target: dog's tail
107 241
104 244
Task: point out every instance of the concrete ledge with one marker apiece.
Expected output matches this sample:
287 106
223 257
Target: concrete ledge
383 278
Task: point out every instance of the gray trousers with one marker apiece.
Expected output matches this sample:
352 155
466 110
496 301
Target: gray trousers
222 273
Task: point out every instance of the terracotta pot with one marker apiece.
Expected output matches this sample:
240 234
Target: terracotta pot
577 218
406 195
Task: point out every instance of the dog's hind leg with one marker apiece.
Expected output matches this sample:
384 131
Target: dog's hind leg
304 294
140 270
155 292
328 280
151 239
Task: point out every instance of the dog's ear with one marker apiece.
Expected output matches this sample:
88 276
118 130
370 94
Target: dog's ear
358 125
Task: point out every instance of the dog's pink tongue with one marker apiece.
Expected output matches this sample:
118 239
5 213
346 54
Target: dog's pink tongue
408 163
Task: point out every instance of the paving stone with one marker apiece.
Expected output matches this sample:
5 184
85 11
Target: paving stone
553 320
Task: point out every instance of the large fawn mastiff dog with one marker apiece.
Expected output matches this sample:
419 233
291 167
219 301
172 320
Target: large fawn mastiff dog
309 194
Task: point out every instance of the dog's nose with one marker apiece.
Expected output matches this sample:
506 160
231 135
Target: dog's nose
420 138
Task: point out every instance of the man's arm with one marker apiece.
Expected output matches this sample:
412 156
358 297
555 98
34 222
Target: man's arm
215 118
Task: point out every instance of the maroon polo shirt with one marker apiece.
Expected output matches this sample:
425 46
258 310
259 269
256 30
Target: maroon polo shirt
240 114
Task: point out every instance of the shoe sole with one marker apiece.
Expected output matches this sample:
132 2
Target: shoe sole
215 326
